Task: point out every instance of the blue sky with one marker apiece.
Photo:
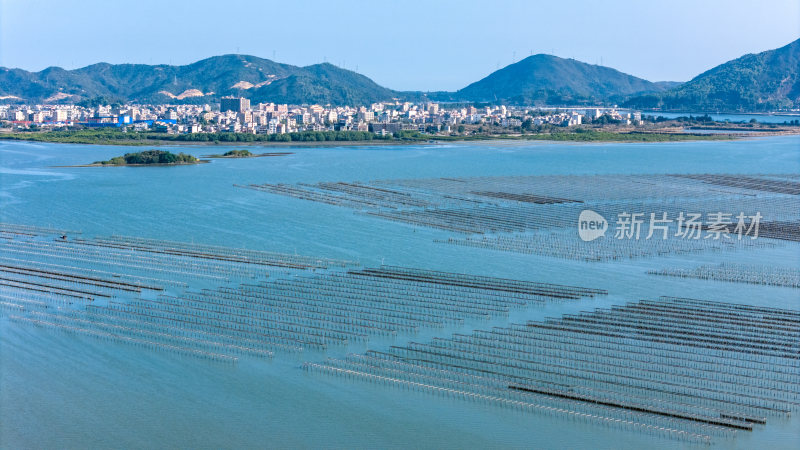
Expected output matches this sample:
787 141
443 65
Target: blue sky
426 45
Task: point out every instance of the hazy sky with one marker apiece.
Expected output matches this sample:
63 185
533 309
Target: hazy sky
407 45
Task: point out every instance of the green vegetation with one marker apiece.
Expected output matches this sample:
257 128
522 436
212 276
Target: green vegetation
303 136
585 135
149 157
91 136
245 154
149 138
87 136
581 135
534 80
238 154
546 79
765 81
323 84
140 83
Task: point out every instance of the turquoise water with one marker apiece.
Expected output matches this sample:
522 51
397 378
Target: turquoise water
65 391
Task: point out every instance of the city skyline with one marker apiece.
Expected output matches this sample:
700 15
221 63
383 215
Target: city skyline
403 47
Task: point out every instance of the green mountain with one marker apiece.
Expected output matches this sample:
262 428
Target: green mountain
539 79
765 81
550 80
207 80
323 83
761 82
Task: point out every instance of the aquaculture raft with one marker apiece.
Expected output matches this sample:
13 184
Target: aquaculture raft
684 368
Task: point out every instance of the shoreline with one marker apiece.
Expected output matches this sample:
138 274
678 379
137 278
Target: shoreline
606 137
202 161
259 155
165 143
728 113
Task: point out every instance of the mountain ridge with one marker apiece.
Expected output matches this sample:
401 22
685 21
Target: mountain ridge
258 78
541 78
757 82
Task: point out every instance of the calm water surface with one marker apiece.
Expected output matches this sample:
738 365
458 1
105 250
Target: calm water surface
60 390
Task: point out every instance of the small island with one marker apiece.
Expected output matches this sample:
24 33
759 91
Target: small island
237 154
149 158
246 154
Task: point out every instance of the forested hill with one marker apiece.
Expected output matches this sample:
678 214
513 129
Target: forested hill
757 82
550 80
202 82
765 81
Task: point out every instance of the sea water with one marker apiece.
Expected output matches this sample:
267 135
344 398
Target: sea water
68 391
